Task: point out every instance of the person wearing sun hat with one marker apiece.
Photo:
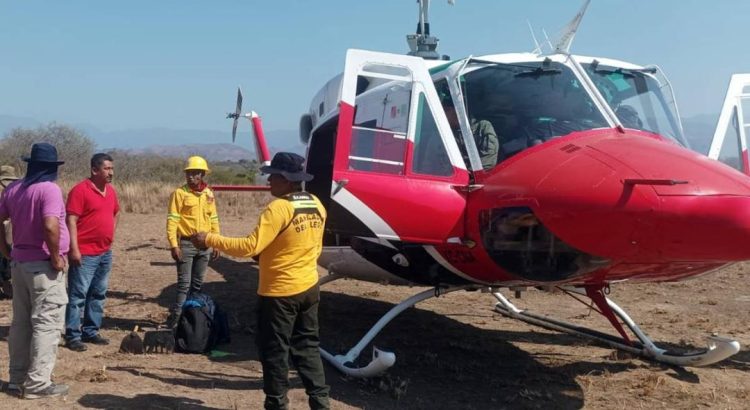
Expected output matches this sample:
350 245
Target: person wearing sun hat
36 208
7 175
288 239
192 209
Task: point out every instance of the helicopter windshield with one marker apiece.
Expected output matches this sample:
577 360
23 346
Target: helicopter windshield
527 104
636 98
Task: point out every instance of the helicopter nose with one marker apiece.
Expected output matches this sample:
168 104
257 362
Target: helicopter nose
640 199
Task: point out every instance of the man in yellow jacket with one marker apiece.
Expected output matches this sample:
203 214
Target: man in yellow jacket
289 239
192 209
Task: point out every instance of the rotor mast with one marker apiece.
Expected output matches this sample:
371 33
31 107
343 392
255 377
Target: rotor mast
422 44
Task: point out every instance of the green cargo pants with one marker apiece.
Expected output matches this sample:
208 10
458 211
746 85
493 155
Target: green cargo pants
288 326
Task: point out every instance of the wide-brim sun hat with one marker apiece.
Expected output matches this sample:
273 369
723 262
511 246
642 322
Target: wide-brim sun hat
43 152
289 165
7 173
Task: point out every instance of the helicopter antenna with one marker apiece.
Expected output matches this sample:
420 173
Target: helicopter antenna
422 44
569 32
546 38
537 47
236 114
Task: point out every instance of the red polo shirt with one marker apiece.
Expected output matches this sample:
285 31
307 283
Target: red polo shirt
96 216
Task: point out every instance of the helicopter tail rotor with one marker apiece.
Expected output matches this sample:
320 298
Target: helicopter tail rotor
236 114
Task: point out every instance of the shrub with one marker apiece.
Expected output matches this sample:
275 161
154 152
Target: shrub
143 181
73 147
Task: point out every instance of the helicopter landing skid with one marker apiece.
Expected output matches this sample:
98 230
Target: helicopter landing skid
381 359
718 349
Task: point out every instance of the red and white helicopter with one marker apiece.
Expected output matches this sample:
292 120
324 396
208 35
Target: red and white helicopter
593 183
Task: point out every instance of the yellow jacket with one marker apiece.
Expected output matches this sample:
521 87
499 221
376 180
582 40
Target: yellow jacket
189 213
288 238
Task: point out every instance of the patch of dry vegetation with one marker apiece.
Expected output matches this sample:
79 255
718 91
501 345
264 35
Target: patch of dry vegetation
151 198
144 182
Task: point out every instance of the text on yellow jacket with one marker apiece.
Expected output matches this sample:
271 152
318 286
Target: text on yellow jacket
289 240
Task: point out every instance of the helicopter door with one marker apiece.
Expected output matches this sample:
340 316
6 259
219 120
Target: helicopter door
729 144
397 168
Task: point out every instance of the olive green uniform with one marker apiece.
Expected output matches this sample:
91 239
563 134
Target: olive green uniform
486 141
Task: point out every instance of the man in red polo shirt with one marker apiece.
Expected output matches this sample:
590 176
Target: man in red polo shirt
92 210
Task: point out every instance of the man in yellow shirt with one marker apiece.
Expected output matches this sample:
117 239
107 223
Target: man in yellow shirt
192 209
288 239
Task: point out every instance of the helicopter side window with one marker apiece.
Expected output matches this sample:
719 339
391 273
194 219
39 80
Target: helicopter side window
430 156
378 142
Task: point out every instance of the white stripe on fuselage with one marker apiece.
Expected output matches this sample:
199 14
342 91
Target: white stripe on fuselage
381 242
383 231
447 265
363 212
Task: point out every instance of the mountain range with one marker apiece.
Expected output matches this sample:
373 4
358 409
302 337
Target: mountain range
214 144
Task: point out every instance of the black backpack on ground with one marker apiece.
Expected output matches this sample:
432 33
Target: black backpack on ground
202 325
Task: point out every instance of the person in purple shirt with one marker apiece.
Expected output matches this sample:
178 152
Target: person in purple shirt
36 209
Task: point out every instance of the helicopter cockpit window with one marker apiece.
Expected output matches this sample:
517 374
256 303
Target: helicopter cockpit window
637 99
527 104
430 156
381 118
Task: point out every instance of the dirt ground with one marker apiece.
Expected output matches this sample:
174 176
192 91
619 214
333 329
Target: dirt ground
452 352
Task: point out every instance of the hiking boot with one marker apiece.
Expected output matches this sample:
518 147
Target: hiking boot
76 346
13 389
53 390
96 340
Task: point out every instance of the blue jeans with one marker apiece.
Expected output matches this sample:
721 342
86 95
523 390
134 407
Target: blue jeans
87 291
190 272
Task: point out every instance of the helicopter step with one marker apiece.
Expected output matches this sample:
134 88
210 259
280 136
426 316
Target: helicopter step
381 360
718 349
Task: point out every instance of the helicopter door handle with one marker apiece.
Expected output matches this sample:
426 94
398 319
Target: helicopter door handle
339 184
467 188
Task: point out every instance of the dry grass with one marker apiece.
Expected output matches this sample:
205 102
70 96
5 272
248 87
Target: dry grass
152 197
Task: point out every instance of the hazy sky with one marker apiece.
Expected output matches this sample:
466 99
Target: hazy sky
176 64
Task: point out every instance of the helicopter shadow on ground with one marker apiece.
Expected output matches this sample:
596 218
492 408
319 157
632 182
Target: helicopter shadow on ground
442 363
235 294
195 379
740 361
119 299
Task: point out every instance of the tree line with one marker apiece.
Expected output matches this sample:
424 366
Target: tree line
76 148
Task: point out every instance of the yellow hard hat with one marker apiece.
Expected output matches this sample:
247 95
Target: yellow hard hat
197 162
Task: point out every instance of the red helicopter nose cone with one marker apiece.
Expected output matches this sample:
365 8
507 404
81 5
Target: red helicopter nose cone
640 199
